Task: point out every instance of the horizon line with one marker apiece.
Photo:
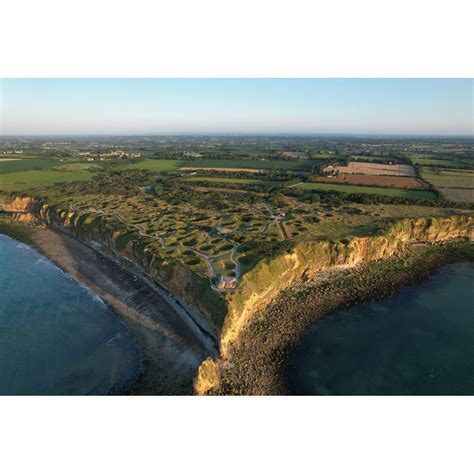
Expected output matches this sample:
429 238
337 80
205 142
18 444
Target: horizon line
239 134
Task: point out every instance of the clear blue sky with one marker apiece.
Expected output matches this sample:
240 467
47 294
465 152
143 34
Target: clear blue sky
165 106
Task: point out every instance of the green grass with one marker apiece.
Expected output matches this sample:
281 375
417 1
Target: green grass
409 193
436 162
24 180
226 180
25 165
449 174
267 164
322 156
76 166
156 165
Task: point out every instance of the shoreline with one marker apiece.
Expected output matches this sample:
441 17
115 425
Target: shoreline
170 347
259 362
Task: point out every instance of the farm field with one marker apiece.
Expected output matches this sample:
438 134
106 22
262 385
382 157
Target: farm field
359 167
458 194
25 180
371 158
155 165
228 170
13 165
382 181
344 188
436 162
448 178
256 164
225 180
456 185
296 154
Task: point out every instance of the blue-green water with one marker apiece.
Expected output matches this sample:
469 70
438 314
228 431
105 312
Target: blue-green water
57 337
420 342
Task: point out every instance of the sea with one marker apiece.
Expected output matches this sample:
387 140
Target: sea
419 342
56 336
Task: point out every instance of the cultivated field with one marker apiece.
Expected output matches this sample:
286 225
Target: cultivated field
381 181
224 180
156 165
25 180
436 162
229 170
455 184
257 164
13 165
360 167
296 154
344 188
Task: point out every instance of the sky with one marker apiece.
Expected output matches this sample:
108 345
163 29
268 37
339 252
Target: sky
240 106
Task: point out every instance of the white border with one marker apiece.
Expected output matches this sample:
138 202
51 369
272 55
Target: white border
236 435
245 38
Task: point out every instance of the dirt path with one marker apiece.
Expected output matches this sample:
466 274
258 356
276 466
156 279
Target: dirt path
171 349
276 219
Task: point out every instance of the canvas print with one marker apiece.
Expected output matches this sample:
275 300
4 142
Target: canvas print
236 237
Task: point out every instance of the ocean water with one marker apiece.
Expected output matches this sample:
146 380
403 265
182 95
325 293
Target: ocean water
56 336
419 342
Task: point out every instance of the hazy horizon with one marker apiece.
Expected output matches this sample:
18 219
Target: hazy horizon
200 107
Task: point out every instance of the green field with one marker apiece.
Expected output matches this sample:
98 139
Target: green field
24 180
260 164
436 162
322 156
156 165
371 158
446 178
226 180
344 188
24 165
456 185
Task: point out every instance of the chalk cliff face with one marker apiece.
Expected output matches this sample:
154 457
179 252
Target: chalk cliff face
20 204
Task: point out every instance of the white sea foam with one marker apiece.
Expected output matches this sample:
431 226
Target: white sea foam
112 339
97 298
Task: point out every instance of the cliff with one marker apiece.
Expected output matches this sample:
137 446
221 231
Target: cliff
262 285
19 204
